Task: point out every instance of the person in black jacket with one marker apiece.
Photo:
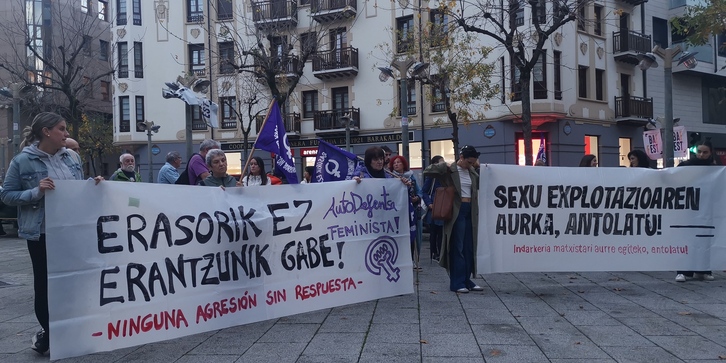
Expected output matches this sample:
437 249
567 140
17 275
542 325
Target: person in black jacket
704 156
436 228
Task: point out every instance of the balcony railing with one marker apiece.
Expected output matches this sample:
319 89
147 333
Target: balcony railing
229 124
333 119
273 11
292 123
332 10
633 107
199 125
630 41
411 109
195 17
200 72
438 107
337 63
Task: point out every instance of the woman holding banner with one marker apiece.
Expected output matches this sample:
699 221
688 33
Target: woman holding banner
588 161
30 175
257 174
217 163
704 156
398 165
638 159
458 250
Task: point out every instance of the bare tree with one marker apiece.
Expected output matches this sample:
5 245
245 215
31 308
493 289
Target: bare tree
64 58
524 44
459 73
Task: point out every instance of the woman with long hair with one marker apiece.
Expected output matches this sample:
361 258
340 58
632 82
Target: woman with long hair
256 174
30 176
638 159
588 161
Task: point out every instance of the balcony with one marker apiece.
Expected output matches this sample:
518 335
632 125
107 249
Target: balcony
336 64
325 11
634 2
633 110
331 122
195 17
199 72
286 67
628 44
292 123
274 13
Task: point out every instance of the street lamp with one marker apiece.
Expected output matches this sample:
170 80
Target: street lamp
16 91
403 67
149 127
648 60
347 121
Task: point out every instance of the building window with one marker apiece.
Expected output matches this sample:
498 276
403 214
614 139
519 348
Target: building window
721 44
516 83
198 123
340 99
136 8
592 146
309 43
444 148
229 116
88 85
598 19
438 28
105 94
582 82
558 74
660 32
138 60
581 15
86 45
680 37
103 50
410 98
539 74
124 113
714 108
541 14
624 143
599 84
195 11
226 57
139 112
224 9
537 139
103 10
310 103
197 59
517 12
503 76
84 6
404 34
121 15
439 102
123 60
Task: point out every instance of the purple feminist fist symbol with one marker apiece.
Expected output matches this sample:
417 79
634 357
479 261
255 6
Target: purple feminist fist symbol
381 254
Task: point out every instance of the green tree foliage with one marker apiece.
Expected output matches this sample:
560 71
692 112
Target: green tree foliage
95 137
702 21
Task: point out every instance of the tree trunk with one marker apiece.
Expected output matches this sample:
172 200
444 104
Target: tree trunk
525 76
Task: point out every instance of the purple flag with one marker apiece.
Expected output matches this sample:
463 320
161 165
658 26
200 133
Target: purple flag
273 138
333 163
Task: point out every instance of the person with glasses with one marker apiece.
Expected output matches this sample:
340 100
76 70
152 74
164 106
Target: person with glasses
458 249
168 173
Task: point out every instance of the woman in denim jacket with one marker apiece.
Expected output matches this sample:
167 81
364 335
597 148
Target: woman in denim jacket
31 173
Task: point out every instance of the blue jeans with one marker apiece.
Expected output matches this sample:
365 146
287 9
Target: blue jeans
461 250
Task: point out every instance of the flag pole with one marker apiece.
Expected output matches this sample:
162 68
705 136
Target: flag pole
252 152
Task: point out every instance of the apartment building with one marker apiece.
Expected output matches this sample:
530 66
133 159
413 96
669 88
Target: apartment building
47 45
588 96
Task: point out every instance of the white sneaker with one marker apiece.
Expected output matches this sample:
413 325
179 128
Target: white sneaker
680 278
708 277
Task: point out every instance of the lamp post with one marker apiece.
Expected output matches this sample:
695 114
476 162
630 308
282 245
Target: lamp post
16 91
149 127
648 60
403 67
347 122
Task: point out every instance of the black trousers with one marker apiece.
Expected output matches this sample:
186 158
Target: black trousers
40 279
690 273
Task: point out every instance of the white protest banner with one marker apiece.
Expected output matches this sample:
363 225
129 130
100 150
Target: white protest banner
135 263
601 219
653 144
680 143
